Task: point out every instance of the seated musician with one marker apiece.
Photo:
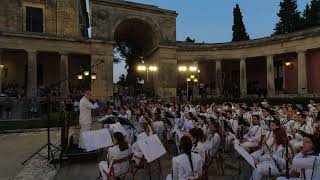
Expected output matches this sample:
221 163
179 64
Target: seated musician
212 143
288 121
304 127
121 150
234 125
266 120
306 164
268 138
253 137
158 125
271 161
187 165
137 154
197 138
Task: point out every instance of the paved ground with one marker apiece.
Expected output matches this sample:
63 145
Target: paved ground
88 170
15 148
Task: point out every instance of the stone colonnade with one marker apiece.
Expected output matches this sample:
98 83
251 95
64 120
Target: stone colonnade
302 75
100 54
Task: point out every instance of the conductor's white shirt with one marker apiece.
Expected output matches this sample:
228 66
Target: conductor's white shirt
85 111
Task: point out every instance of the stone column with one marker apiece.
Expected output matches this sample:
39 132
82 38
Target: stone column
270 76
243 77
165 81
302 73
218 77
102 87
32 74
64 75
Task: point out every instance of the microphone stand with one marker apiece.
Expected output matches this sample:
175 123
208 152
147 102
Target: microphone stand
47 108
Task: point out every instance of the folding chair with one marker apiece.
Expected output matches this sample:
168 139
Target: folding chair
113 165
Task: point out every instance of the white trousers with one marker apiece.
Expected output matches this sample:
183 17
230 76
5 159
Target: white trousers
103 167
262 171
83 128
249 145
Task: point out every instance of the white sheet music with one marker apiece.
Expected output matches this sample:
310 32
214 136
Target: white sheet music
151 148
117 127
244 154
94 140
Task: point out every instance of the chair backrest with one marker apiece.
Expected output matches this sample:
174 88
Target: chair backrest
119 162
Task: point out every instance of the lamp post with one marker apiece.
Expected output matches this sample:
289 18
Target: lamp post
190 74
85 75
143 68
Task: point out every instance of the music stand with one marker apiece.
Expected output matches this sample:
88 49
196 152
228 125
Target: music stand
49 145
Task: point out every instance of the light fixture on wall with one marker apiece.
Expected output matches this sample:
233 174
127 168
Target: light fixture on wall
1 66
288 63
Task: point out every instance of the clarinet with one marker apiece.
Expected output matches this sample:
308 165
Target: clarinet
287 159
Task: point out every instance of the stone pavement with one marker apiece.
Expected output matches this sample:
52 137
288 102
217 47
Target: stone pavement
15 148
88 170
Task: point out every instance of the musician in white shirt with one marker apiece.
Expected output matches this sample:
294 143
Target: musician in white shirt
271 160
137 153
120 150
288 121
85 119
197 138
212 143
187 165
306 164
234 125
297 142
253 137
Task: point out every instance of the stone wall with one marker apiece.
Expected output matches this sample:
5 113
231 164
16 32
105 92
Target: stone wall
106 16
61 17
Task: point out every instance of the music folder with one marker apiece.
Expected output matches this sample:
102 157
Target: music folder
248 157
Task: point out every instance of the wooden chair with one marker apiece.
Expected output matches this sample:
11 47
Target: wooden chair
112 174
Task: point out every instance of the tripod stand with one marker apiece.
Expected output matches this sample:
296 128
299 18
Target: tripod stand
49 145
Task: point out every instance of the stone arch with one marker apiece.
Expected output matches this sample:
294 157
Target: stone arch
136 27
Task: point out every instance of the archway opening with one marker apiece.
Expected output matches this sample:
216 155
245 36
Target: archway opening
135 40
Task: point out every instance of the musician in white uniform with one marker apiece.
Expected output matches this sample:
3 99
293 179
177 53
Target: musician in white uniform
271 161
187 165
288 121
137 153
197 138
297 142
121 150
234 125
306 164
85 119
212 144
253 137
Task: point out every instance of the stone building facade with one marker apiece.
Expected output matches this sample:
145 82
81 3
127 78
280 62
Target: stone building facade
42 41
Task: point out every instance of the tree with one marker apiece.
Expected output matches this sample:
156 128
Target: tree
238 28
290 20
306 18
122 80
312 15
130 53
189 40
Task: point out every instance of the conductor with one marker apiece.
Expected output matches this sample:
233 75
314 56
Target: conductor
85 119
